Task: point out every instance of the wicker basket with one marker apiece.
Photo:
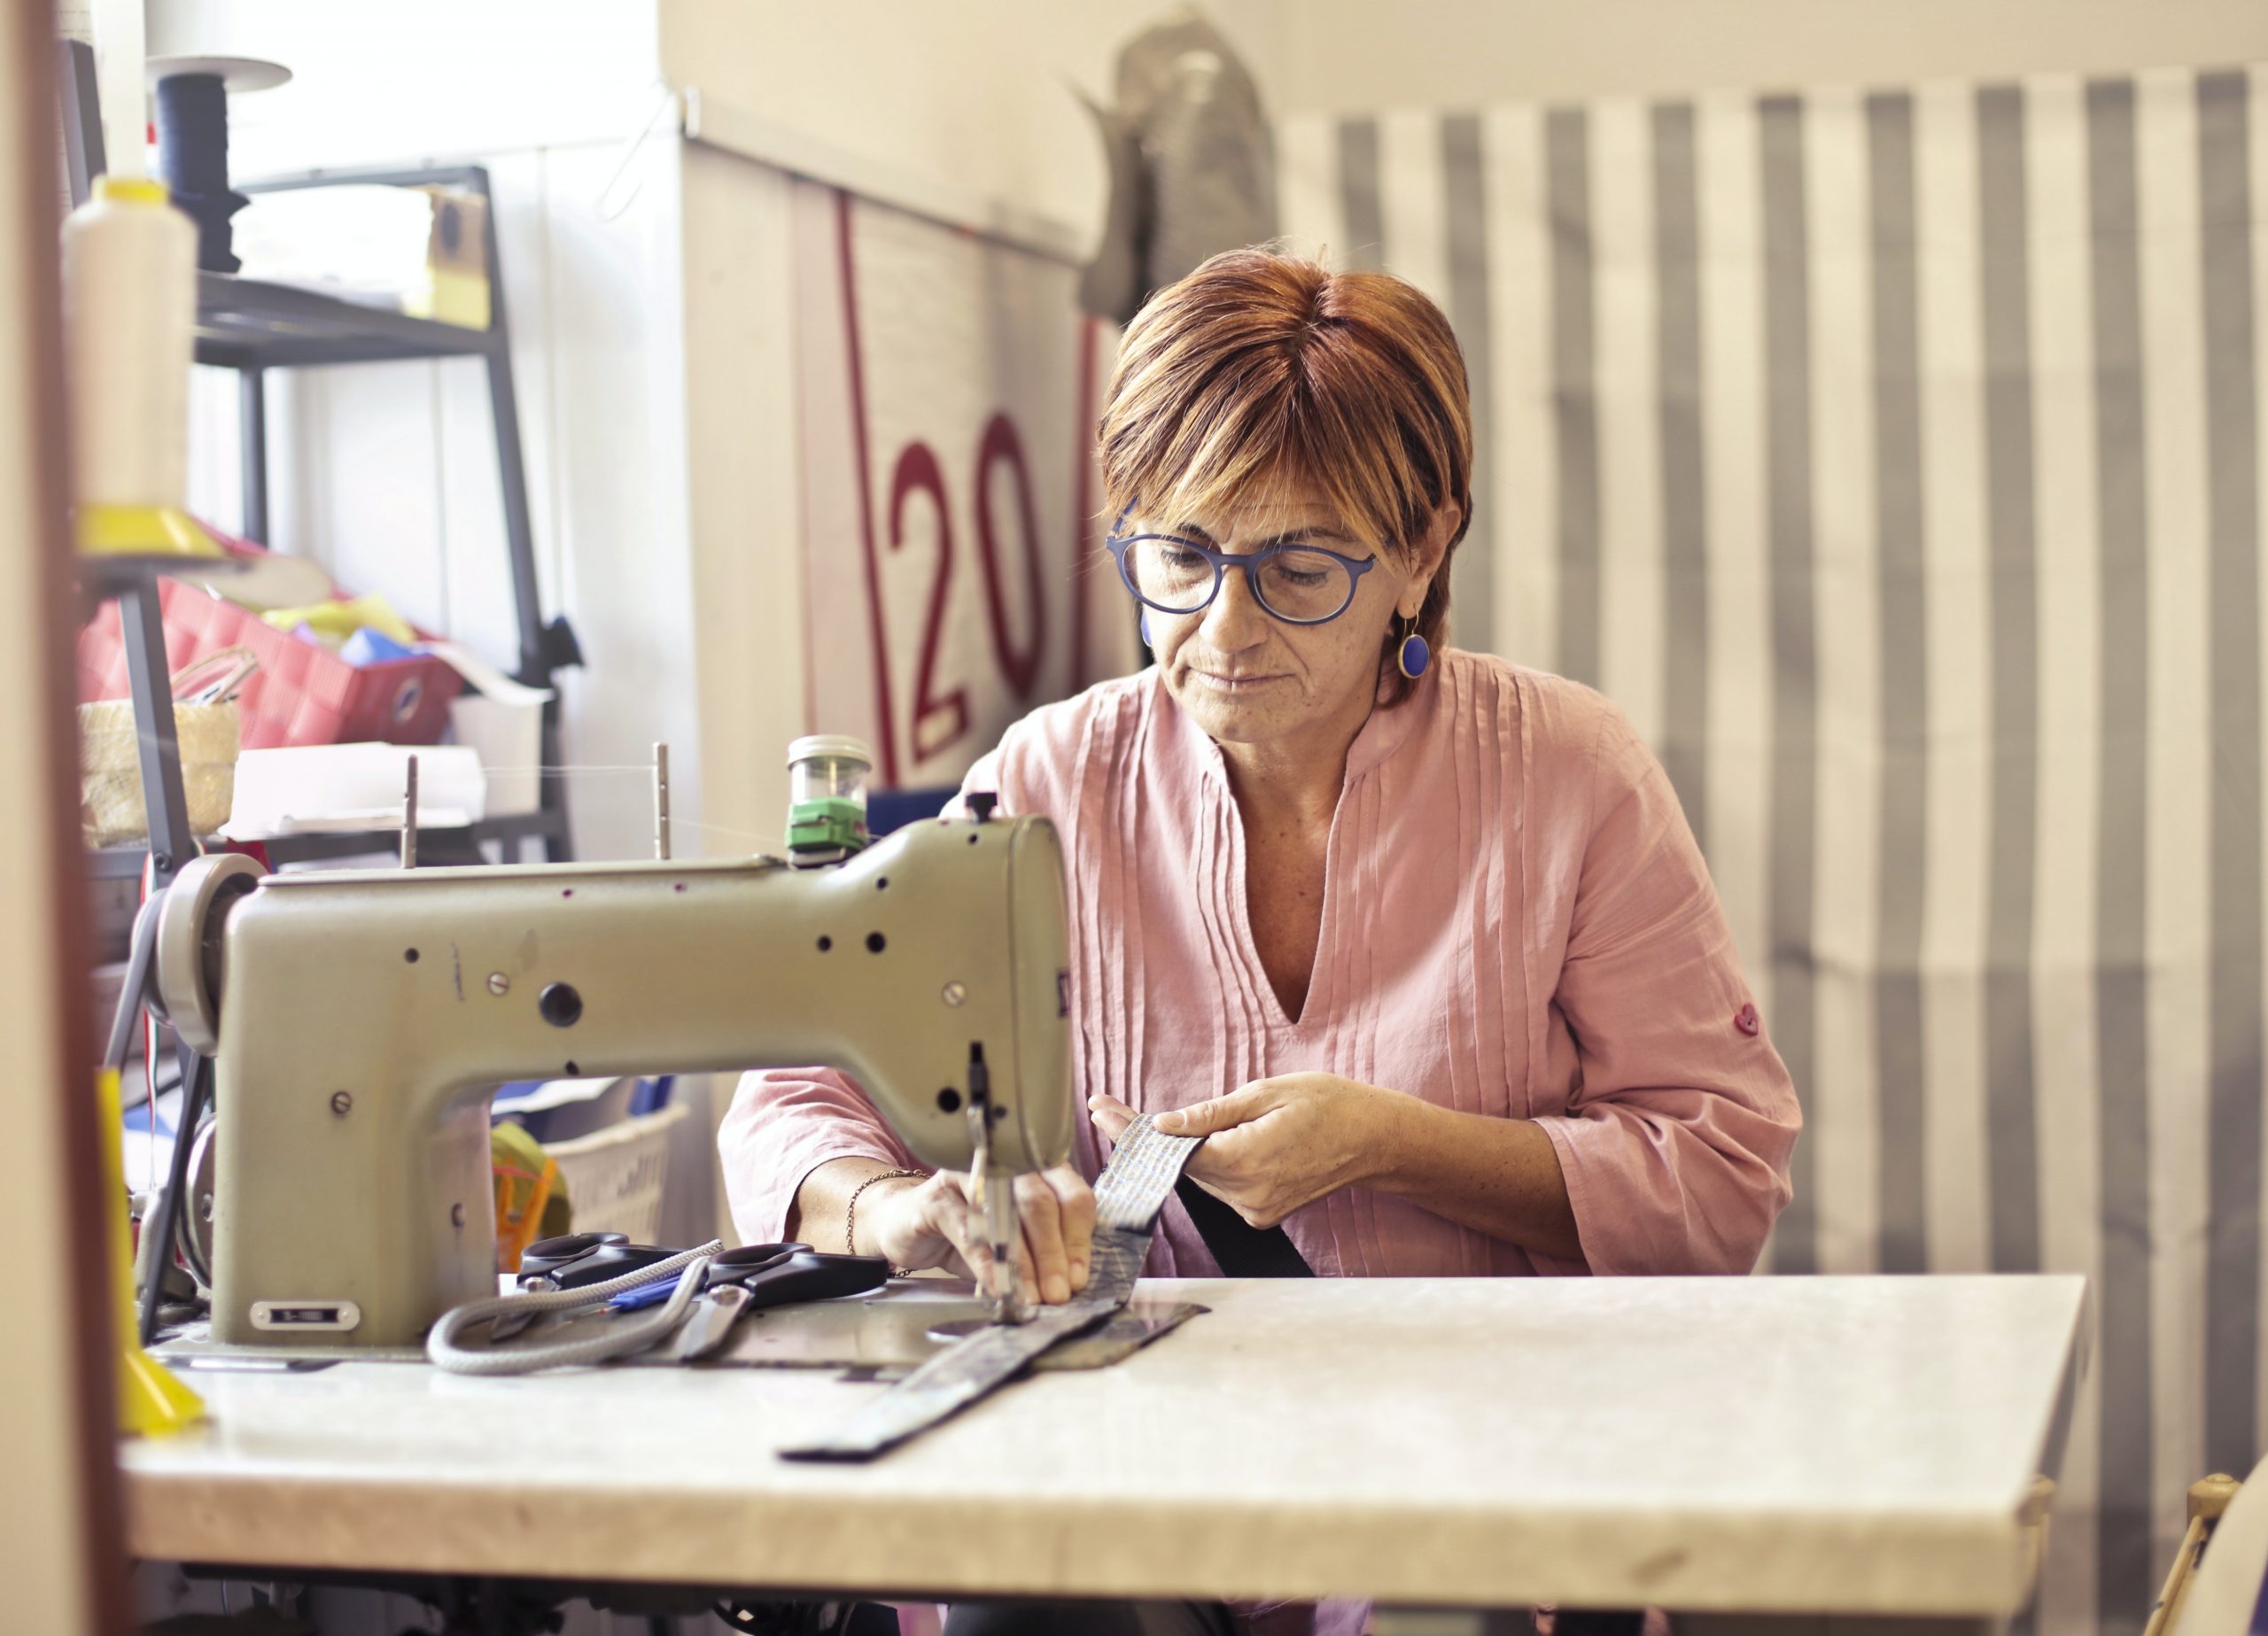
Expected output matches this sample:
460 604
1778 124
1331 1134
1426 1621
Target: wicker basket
614 1177
111 808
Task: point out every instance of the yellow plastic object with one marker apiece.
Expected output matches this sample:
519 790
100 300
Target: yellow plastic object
151 1400
142 531
340 620
136 190
456 288
450 298
527 1180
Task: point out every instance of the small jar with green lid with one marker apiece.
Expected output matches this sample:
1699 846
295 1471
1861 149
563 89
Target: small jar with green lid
826 797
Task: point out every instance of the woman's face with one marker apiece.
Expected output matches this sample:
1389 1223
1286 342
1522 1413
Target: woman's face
1247 678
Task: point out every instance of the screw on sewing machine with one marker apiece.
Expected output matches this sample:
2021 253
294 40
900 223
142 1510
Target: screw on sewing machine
342 1103
954 994
498 984
561 1006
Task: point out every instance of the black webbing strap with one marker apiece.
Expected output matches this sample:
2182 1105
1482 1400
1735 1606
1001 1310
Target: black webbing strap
1243 1250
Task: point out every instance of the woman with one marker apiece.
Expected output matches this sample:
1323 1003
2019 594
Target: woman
1419 940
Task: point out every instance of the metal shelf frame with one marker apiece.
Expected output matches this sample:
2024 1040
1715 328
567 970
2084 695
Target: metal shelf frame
252 327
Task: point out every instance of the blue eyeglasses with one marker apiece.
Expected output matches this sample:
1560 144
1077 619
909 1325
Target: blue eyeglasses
1299 584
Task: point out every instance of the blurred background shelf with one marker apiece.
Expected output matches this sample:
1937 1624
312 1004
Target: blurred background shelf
250 326
243 324
436 844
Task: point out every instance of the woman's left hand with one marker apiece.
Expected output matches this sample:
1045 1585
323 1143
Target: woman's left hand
1277 1145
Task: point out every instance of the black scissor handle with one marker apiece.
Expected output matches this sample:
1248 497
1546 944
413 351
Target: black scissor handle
742 1265
611 1257
810 1276
550 1255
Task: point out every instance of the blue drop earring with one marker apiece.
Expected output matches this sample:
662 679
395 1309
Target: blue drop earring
1146 642
1413 655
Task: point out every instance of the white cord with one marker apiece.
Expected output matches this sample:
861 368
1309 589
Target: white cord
624 1334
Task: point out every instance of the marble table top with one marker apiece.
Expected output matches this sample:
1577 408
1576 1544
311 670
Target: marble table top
1813 1445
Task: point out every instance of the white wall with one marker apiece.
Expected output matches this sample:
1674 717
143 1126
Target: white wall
968 101
414 79
1346 56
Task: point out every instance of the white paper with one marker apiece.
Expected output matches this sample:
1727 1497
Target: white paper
322 788
486 677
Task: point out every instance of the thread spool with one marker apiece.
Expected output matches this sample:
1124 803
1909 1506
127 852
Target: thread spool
129 302
191 94
193 160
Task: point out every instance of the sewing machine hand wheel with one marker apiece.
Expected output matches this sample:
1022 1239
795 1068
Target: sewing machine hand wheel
191 954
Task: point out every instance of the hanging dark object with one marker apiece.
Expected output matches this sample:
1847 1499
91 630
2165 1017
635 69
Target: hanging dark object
191 95
1193 165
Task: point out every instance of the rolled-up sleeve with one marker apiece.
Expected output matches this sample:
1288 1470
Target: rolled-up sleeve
785 1123
1674 1143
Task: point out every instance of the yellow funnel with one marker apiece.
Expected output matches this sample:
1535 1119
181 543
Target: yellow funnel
142 531
151 1400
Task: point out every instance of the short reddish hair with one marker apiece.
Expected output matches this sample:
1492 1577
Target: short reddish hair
1262 371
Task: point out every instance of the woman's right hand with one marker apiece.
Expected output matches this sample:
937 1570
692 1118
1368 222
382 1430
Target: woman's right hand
932 1223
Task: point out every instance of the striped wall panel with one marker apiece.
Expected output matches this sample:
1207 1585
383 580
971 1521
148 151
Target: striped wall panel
1894 459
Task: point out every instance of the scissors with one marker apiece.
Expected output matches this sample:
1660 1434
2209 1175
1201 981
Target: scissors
757 1275
579 1258
773 1275
572 1261
733 1282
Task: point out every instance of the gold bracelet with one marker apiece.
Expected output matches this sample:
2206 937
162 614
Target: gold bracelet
850 1215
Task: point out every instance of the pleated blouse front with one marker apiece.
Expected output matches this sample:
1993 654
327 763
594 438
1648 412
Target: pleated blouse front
1516 923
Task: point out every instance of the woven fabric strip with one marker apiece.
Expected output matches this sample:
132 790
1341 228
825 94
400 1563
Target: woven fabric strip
1131 1191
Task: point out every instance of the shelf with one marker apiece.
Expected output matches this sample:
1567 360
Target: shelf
243 323
124 862
101 577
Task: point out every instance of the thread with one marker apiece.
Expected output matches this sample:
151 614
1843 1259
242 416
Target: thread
193 160
644 773
129 305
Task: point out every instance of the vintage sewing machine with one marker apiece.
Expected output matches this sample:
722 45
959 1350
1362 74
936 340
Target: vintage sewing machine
363 1021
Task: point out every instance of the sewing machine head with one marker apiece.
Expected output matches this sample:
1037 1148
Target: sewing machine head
363 1021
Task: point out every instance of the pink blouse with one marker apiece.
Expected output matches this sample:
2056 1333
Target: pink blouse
1515 922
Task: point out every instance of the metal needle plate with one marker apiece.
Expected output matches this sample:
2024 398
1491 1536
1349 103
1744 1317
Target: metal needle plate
1131 1191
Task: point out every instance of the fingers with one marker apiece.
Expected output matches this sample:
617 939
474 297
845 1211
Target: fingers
1041 1213
938 1231
1203 1119
968 1224
1077 1202
1199 1118
1257 1212
974 1235
942 1228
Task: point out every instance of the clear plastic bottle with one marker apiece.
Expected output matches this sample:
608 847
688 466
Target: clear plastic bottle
826 797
